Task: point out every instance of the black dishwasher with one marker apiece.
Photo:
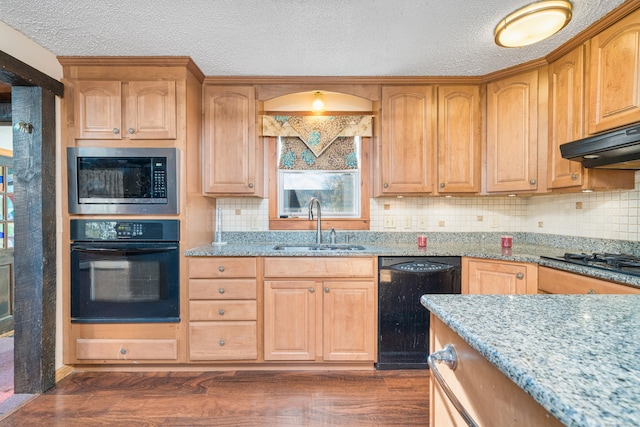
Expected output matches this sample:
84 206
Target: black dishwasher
403 323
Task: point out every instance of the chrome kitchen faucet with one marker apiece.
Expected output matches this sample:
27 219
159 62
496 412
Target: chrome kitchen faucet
319 229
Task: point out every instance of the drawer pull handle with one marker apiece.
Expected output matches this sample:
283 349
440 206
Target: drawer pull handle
221 268
132 131
327 290
385 185
123 350
221 312
532 181
520 276
251 185
449 357
221 291
574 176
312 290
222 343
116 131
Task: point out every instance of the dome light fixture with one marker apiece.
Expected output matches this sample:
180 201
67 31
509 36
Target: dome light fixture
317 106
533 23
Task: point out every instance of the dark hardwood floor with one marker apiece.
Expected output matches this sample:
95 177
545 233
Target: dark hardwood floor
240 398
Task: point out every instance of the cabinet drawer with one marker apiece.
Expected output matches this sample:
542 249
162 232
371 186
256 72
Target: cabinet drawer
126 349
553 281
222 310
221 267
319 267
221 289
223 341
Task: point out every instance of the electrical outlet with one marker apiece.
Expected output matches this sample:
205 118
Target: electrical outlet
389 221
406 222
494 221
422 222
254 222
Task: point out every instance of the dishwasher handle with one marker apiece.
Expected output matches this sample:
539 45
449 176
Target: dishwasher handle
449 357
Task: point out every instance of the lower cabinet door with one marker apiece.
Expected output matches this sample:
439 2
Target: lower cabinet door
290 319
235 340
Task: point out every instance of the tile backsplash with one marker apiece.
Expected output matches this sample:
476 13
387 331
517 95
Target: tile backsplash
604 215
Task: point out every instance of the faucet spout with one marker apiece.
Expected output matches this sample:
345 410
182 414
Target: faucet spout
319 216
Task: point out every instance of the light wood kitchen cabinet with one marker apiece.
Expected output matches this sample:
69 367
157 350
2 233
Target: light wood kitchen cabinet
232 157
512 134
484 276
223 309
614 67
310 314
566 124
459 135
407 142
490 398
552 281
135 110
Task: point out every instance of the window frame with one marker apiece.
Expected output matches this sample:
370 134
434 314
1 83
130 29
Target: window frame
361 223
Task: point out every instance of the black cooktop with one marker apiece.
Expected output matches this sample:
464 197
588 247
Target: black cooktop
618 263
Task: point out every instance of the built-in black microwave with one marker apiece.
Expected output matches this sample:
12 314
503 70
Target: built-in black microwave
108 180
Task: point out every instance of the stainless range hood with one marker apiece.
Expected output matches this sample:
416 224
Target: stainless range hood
617 149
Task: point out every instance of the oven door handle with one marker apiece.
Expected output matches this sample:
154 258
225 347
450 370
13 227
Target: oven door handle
129 250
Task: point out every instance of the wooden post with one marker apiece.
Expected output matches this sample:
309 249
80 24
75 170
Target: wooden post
35 239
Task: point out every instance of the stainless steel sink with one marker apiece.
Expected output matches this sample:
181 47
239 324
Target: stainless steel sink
299 247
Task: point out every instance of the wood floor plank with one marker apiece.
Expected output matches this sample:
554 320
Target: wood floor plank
243 398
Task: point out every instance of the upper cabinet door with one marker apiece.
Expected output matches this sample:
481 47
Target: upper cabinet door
406 146
231 163
151 110
512 139
614 74
98 106
459 133
566 89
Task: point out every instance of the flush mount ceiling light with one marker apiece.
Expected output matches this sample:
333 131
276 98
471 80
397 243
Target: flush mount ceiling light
533 23
317 106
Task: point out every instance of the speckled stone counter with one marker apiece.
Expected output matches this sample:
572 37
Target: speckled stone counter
527 247
576 355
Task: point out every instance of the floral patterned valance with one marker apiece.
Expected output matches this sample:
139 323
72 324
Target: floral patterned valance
295 155
317 132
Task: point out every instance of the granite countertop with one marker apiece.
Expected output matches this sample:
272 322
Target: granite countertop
448 244
576 355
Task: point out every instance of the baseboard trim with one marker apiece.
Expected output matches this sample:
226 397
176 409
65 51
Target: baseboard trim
63 372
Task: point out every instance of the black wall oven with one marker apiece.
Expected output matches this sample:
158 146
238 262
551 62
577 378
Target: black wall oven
125 271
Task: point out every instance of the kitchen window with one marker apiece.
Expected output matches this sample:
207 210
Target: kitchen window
336 183
339 178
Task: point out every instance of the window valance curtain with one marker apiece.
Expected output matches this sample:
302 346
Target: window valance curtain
317 132
295 155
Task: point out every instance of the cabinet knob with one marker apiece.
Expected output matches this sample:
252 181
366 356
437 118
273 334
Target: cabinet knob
221 312
221 342
442 185
312 290
591 292
221 268
221 291
251 185
532 181
574 176
131 131
116 131
123 350
520 276
327 290
385 185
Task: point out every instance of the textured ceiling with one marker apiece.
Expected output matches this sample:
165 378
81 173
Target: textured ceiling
295 37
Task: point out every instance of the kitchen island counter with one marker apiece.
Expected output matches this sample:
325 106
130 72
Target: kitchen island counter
576 355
